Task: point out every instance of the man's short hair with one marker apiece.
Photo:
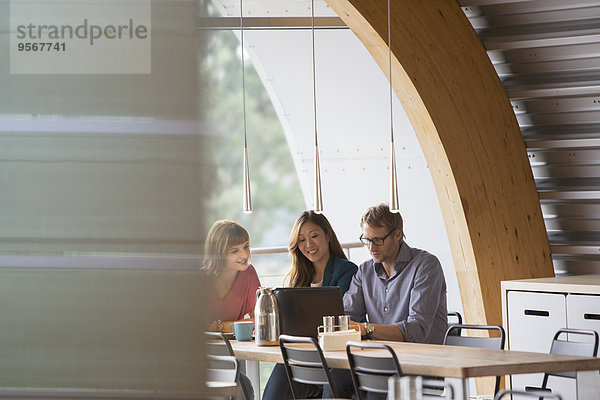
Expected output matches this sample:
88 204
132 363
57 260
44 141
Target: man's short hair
380 216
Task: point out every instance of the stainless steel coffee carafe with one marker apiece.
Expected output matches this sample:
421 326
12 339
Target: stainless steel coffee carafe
266 318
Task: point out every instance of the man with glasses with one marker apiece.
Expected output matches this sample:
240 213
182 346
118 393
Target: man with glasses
400 292
401 289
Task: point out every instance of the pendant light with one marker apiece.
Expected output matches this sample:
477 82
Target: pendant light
247 197
318 193
394 203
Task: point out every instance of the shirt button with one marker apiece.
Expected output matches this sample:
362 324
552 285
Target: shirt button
386 290
385 309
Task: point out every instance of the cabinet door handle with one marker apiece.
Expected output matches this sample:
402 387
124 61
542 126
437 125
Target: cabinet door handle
591 316
537 389
537 313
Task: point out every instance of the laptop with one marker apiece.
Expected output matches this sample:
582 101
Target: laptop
301 309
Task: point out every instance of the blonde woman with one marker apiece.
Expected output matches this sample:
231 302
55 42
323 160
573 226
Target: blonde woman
317 260
232 279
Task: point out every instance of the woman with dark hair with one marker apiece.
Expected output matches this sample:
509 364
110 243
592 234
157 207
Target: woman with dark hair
317 260
317 256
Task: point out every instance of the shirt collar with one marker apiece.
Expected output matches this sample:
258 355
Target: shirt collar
401 260
403 254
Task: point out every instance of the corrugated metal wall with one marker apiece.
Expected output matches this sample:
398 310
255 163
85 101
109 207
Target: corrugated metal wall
547 54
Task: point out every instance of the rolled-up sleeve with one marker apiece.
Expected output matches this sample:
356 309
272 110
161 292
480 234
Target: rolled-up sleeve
354 302
425 298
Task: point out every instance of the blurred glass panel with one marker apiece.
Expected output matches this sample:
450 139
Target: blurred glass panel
106 165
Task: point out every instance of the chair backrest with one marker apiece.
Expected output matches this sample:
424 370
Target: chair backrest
370 373
222 365
222 369
305 363
459 321
515 394
219 353
217 344
574 347
477 341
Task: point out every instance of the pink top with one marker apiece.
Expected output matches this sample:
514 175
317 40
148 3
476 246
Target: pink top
239 301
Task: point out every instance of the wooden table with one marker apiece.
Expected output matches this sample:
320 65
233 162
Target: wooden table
457 363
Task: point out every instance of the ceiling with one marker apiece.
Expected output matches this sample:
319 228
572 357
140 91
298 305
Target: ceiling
547 55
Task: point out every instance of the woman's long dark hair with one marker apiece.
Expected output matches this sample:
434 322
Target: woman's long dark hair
302 267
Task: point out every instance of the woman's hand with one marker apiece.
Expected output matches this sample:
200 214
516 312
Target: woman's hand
216 326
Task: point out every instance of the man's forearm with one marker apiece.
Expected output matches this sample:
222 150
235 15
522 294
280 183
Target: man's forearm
383 332
387 332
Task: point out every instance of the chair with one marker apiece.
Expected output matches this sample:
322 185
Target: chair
459 321
217 344
476 341
305 364
573 348
217 347
371 373
540 395
222 369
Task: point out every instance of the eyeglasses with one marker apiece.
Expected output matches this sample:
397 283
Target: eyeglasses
375 241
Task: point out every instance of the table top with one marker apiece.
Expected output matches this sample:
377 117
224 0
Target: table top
438 360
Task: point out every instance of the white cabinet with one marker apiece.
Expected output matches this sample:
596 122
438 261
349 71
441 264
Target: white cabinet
539 313
583 312
534 309
534 318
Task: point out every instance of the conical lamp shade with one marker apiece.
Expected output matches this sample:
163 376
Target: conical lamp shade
247 198
318 191
394 203
246 195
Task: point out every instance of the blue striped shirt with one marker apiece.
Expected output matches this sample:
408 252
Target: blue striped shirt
413 298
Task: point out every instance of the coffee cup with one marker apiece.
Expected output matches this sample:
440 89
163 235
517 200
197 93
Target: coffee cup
242 330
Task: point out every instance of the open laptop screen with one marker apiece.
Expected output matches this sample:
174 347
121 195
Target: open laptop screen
301 309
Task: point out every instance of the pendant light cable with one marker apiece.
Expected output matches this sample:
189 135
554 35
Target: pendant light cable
318 192
394 202
247 197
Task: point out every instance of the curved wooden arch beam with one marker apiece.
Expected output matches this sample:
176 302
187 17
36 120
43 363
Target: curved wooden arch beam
471 141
